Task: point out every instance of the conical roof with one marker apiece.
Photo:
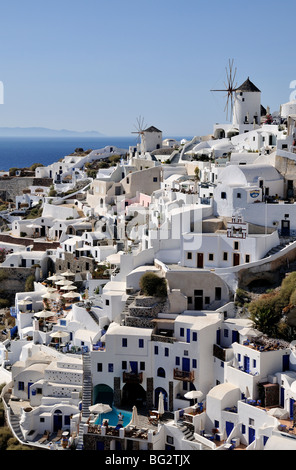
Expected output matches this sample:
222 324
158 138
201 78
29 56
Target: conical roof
248 86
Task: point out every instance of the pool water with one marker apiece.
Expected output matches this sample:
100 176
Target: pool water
113 417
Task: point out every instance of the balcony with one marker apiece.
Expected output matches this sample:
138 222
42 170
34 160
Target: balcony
132 377
185 376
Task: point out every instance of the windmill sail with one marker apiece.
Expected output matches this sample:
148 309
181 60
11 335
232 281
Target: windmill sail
230 87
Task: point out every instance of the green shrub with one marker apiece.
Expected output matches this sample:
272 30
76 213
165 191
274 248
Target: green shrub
29 285
153 285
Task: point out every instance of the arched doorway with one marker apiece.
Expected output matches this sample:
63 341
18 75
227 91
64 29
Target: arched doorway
57 420
103 394
157 391
133 394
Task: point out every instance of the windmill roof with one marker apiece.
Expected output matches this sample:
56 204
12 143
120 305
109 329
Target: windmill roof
247 86
152 129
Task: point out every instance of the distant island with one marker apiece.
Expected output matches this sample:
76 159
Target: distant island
44 132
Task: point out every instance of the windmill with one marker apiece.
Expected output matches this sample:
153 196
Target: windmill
140 128
229 87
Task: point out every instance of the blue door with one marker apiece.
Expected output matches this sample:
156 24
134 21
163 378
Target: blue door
218 337
235 336
291 407
134 367
286 362
282 396
188 335
246 364
251 435
29 386
229 427
186 364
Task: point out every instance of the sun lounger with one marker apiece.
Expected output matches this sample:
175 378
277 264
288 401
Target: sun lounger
45 437
58 436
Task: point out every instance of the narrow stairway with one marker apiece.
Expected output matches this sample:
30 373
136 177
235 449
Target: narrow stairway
86 397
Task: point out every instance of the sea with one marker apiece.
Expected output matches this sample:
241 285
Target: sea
22 152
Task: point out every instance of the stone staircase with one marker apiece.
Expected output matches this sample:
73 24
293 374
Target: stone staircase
278 248
186 430
86 397
128 302
15 425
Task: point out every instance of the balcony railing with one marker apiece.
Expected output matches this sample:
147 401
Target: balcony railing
185 376
132 377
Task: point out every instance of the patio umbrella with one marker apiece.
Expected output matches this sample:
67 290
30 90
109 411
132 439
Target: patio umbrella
100 408
51 296
135 418
193 395
251 332
59 335
55 277
68 287
44 314
278 413
68 273
24 302
160 404
70 295
64 282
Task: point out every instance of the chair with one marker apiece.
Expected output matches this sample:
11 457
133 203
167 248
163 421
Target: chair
58 436
45 437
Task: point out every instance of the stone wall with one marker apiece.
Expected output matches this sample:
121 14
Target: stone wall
82 264
13 280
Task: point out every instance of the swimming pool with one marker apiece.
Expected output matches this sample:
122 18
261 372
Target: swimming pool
113 417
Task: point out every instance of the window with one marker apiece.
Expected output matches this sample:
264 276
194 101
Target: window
181 331
225 256
218 293
21 386
239 357
142 365
207 300
223 195
170 440
225 333
141 343
194 364
156 350
236 245
99 367
189 255
243 429
110 367
254 362
222 364
177 361
247 258
155 179
194 336
190 300
166 352
160 372
238 195
211 256
124 365
124 342
251 422
107 302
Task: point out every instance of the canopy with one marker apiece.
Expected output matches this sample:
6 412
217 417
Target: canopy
278 413
100 408
135 418
68 287
193 394
252 332
160 403
64 282
55 277
44 314
59 334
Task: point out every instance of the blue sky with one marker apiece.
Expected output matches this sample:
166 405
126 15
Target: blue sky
99 64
